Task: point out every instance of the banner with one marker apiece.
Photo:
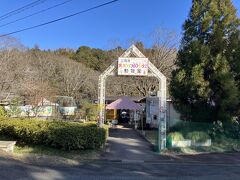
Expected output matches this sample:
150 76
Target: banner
133 66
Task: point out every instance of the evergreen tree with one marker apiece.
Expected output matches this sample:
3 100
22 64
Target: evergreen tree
205 84
96 59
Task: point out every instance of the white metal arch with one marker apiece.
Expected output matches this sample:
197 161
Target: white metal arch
154 72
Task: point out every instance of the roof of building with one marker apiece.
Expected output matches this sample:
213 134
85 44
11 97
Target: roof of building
133 98
124 102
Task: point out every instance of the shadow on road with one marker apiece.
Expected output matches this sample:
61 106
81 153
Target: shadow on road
124 143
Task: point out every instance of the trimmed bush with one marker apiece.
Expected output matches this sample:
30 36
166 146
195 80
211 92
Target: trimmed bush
186 127
59 134
173 136
198 136
76 136
25 131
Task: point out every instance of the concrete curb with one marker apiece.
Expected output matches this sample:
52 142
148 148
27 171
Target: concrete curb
174 162
126 161
144 137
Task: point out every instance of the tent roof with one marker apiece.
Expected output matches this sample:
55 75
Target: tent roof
124 103
133 98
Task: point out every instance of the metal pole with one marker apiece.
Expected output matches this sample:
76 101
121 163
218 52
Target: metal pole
159 121
142 121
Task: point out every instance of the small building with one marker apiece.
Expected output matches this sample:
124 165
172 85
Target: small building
150 114
44 108
66 106
123 115
60 106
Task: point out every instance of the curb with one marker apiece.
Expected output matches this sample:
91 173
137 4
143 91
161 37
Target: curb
126 161
171 161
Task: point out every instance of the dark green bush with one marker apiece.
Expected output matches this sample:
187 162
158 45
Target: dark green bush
76 136
198 136
186 127
65 135
25 131
217 130
229 129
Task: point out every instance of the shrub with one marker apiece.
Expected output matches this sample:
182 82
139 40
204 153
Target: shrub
229 129
198 136
175 136
76 136
65 135
25 131
232 129
186 127
89 110
2 112
217 129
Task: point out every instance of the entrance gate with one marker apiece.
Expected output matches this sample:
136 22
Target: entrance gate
115 69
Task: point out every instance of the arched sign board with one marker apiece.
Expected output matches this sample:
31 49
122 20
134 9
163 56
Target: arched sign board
132 66
138 65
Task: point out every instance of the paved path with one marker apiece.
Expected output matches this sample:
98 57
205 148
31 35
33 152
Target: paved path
126 144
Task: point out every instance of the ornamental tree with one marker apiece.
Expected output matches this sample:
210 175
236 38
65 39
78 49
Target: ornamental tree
206 82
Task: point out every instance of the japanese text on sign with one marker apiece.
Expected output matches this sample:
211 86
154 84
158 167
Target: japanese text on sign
133 66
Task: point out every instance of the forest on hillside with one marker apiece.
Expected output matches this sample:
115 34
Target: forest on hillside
33 73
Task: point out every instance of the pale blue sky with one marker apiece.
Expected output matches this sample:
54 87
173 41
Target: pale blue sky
121 21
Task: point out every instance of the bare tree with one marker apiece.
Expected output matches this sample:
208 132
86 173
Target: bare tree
162 54
10 43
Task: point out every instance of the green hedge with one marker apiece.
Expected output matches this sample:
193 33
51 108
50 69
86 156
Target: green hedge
59 134
186 127
175 136
198 136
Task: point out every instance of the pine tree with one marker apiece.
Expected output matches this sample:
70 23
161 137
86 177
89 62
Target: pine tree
205 84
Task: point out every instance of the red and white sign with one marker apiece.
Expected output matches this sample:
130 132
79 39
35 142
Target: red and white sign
133 66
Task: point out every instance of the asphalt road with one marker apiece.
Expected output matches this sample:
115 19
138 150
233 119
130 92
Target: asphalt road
124 143
14 170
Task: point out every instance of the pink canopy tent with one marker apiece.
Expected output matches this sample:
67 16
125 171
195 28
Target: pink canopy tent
124 103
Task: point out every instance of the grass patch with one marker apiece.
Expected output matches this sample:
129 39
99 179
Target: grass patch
50 151
41 150
197 132
44 155
226 145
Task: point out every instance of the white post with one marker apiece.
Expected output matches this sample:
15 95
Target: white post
101 100
162 115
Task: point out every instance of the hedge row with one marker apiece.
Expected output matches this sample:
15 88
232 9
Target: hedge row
59 134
